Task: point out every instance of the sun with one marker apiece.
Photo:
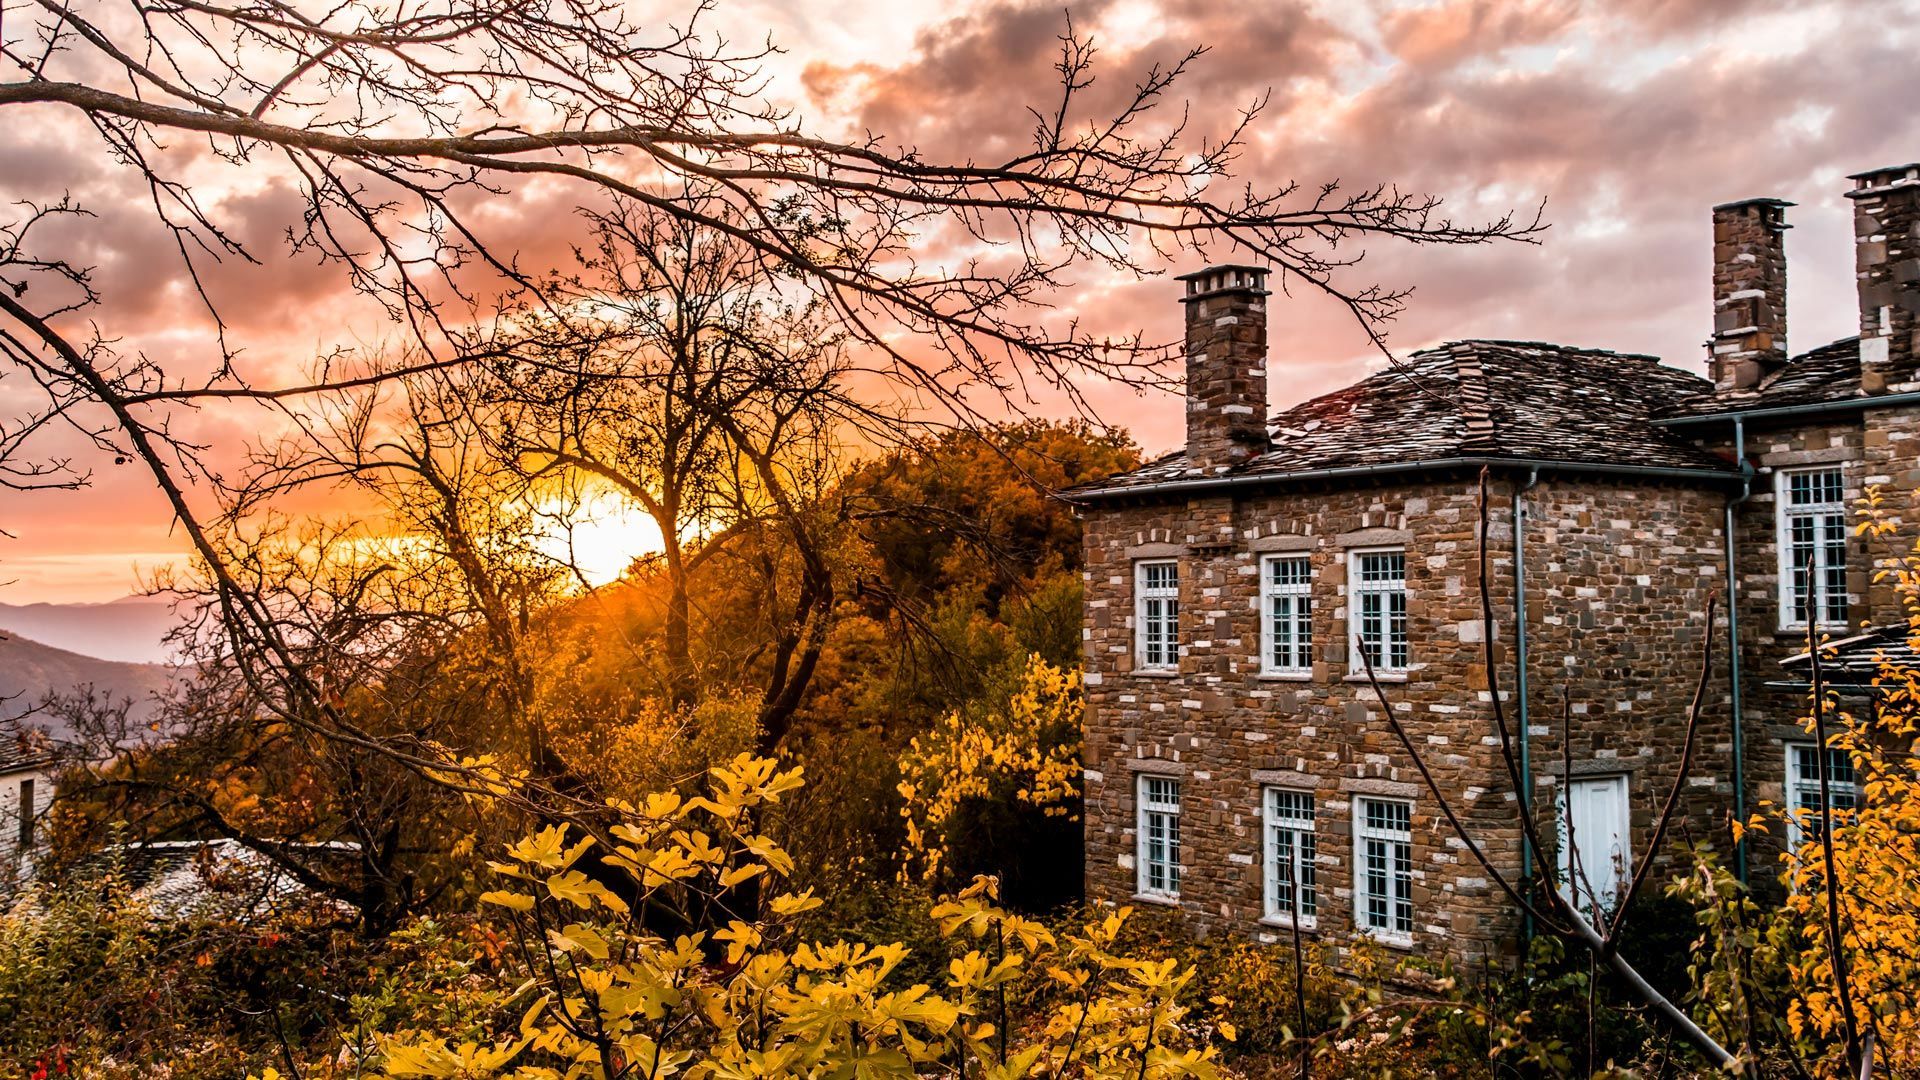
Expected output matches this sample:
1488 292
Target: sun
597 537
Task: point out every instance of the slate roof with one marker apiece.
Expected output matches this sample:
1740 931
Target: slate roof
1828 374
179 879
1470 401
22 750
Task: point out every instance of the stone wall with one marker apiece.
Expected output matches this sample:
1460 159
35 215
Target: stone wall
1618 577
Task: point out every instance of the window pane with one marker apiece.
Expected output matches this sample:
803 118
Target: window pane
1290 852
1288 585
1803 782
1386 870
1380 609
1157 585
1159 827
1813 547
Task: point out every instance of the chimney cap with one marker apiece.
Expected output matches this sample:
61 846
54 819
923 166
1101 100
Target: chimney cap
1765 201
1224 277
1886 176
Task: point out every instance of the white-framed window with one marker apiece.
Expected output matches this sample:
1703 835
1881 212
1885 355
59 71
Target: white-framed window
1812 543
1286 589
1291 891
1383 867
1596 854
1157 831
1803 788
1377 608
1156 615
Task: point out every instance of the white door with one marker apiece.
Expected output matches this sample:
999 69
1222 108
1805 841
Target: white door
1596 860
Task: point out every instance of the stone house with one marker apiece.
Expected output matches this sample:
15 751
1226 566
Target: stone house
26 789
1239 766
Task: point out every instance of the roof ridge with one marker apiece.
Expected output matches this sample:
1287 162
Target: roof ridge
1476 400
1556 346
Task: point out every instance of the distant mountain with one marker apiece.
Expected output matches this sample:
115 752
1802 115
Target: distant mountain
29 670
128 630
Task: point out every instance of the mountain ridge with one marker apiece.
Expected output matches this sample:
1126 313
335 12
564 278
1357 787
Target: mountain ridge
30 670
129 630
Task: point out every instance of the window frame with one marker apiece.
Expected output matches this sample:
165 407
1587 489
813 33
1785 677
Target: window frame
1356 620
1144 808
1362 892
1299 595
1785 512
1795 781
1305 848
1142 595
24 803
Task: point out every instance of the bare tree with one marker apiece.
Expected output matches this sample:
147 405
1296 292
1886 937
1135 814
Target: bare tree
1552 909
382 630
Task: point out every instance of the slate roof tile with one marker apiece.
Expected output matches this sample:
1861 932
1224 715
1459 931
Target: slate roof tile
1520 400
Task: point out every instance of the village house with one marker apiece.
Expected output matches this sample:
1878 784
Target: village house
26 789
1238 764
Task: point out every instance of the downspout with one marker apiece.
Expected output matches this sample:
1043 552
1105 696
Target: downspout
1733 646
1520 675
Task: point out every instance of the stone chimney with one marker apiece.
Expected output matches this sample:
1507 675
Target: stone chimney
1749 293
1886 259
1226 365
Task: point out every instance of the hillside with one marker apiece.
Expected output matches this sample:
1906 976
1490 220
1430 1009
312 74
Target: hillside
28 670
128 630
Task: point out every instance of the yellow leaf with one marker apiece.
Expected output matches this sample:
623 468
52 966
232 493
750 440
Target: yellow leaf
581 891
578 937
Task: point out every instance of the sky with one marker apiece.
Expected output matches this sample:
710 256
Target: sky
1628 120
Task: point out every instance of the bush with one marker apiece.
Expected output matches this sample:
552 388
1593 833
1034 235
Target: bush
601 991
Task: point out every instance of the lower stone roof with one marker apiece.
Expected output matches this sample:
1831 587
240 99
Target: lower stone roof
1855 662
1829 374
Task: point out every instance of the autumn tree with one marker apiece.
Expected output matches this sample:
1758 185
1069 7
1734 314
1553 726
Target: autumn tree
371 821
1827 982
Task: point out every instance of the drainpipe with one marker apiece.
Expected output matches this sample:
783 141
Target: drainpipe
1520 676
1733 645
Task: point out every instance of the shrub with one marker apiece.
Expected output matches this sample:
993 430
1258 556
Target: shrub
608 993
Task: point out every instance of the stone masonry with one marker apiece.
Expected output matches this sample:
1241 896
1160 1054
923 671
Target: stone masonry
1623 643
1749 293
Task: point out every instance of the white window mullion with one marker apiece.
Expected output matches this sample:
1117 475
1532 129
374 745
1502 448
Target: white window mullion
1377 615
1812 541
1803 788
1383 868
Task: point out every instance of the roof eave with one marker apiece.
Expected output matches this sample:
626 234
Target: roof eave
1811 408
1206 483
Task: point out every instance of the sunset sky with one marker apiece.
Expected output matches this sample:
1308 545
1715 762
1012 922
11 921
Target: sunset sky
1630 119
